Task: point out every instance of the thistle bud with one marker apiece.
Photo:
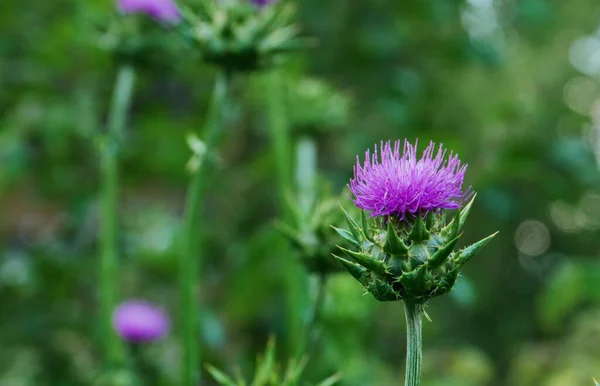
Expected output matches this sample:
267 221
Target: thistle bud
241 35
313 236
405 247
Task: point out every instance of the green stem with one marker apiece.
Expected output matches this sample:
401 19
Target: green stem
414 337
190 255
281 149
280 137
312 327
109 209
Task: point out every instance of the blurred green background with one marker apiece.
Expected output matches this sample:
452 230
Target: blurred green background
512 86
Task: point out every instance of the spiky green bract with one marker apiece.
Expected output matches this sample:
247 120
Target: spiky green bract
407 259
237 36
269 373
313 236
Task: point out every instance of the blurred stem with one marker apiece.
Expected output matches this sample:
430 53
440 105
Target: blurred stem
312 327
145 372
190 255
281 148
306 171
280 137
414 323
109 211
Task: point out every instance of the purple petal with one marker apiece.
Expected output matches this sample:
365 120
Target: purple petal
391 182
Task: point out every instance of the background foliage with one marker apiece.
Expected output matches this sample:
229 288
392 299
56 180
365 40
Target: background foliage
512 86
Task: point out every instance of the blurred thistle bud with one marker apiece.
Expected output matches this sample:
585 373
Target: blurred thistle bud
270 373
405 249
242 35
161 10
316 106
140 32
312 234
138 321
262 3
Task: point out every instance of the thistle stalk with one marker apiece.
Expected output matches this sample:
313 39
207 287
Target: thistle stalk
281 147
312 327
414 337
190 254
121 99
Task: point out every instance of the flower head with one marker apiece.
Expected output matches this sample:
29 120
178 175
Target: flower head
405 250
394 183
140 321
161 10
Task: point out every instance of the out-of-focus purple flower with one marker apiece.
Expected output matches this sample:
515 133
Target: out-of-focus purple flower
140 321
262 3
161 10
391 182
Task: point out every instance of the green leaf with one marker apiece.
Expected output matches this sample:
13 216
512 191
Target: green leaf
596 382
266 366
466 253
220 377
330 381
366 261
440 256
393 244
418 231
354 269
347 235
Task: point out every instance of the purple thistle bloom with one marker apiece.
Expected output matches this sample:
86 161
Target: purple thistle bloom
140 321
161 10
395 183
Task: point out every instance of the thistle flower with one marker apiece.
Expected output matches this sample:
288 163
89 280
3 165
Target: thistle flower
161 10
394 183
139 321
405 249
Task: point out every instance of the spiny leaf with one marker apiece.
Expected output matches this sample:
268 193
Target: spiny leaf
451 230
447 282
466 253
418 231
440 256
393 244
356 232
365 226
346 235
354 269
464 212
366 261
415 281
